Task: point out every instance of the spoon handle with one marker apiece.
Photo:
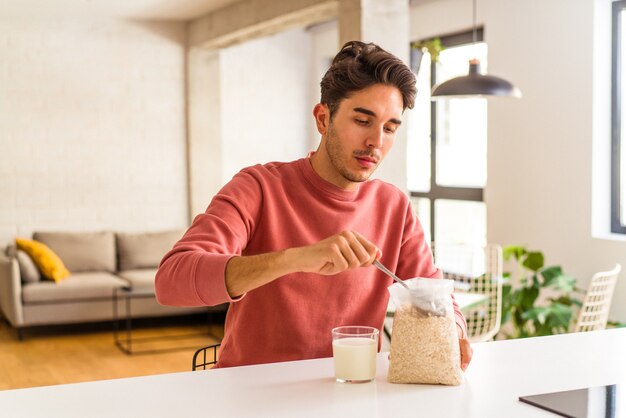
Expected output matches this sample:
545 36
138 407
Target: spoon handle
389 273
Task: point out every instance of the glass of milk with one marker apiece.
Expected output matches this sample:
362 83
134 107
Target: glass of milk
354 352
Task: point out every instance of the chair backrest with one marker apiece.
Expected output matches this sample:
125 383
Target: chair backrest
199 360
475 269
594 312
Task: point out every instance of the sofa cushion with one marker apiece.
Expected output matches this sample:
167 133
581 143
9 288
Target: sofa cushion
136 251
76 287
29 273
82 251
47 261
142 279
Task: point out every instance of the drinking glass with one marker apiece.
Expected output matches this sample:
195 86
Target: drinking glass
354 353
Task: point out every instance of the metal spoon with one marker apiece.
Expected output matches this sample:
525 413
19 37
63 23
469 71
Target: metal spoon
417 300
389 273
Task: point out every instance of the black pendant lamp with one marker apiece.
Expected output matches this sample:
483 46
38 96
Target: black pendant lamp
475 84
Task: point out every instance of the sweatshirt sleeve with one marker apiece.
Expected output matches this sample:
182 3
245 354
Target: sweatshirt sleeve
416 260
192 273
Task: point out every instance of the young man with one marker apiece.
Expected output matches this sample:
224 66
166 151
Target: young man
290 245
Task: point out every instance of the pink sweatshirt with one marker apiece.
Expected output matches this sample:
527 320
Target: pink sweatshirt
272 207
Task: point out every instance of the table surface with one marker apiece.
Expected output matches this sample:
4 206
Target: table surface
500 372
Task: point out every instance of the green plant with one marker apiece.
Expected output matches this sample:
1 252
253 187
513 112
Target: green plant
556 313
432 46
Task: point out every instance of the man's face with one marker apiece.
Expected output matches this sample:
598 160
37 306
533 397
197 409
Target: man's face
359 136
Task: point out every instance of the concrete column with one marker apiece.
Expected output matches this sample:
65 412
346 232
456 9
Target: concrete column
204 128
386 23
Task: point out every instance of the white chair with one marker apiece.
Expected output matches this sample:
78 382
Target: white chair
475 269
594 312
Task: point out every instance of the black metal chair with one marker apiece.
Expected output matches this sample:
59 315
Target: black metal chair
199 361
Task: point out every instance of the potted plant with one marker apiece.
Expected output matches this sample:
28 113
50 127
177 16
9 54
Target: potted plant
433 46
529 314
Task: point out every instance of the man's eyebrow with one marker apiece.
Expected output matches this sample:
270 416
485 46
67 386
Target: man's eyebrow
370 113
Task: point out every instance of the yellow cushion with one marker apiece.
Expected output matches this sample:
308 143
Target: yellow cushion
46 260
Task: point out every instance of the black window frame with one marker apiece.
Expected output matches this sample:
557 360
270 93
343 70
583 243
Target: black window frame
617 225
472 194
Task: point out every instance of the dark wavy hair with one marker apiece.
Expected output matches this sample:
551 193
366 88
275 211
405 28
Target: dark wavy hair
359 65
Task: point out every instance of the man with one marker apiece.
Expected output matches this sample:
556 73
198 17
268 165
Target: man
290 245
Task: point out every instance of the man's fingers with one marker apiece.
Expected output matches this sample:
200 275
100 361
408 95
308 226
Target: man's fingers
371 250
350 252
466 353
355 252
343 251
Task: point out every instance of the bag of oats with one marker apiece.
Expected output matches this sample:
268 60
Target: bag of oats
425 342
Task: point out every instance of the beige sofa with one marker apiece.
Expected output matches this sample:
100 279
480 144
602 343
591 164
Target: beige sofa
99 263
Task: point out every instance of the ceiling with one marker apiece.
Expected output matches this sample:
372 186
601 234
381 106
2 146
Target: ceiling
129 9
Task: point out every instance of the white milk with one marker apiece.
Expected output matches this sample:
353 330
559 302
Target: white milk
355 358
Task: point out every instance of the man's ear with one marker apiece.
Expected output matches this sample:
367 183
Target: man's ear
322 117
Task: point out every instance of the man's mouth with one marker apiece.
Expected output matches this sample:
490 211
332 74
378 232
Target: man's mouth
367 162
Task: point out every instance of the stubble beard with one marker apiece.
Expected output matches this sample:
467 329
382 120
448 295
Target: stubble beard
335 151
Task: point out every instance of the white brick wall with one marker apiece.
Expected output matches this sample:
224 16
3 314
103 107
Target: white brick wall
92 126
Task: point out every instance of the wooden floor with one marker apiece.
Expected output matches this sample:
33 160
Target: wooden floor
51 356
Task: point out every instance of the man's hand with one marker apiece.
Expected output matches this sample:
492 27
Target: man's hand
466 350
337 253
340 252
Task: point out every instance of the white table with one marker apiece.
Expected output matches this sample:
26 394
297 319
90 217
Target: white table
500 372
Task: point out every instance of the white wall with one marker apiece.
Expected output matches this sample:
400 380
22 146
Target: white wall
324 46
204 142
539 189
265 102
92 132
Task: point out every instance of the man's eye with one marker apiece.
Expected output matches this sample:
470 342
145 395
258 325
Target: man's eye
361 121
390 130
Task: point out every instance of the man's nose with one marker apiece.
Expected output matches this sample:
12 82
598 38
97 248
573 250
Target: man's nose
375 138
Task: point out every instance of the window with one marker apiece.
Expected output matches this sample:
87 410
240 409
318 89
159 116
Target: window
618 115
447 148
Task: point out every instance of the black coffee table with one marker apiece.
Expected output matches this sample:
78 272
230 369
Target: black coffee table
123 325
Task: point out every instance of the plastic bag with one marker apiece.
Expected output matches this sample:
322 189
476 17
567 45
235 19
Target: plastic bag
425 342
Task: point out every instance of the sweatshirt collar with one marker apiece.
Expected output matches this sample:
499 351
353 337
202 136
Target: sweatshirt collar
322 185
